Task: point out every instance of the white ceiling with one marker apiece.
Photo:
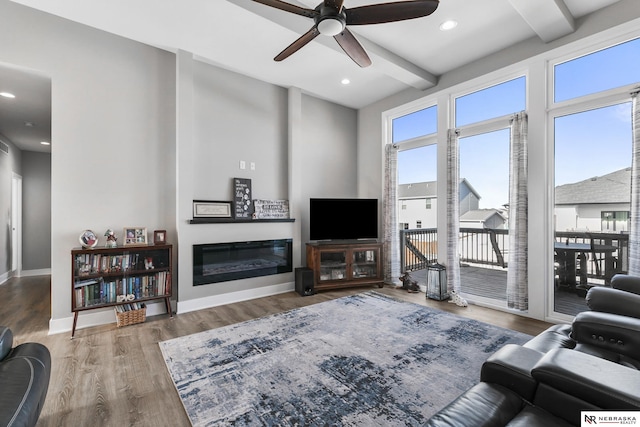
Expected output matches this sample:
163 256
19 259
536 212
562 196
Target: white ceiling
244 36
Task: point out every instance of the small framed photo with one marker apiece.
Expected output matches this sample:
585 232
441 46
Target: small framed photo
135 236
160 237
211 209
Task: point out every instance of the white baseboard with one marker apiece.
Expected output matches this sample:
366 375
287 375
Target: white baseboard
217 300
4 277
87 319
40 272
24 273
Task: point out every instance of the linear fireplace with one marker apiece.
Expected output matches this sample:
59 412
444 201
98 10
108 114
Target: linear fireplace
221 262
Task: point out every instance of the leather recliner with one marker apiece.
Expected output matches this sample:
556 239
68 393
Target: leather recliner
592 364
24 380
521 387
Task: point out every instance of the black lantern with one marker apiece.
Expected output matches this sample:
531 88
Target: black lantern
437 282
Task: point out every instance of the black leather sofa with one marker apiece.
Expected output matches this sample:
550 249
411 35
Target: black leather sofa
24 380
591 365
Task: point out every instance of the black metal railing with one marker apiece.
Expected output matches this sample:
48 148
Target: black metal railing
484 246
615 261
418 248
490 247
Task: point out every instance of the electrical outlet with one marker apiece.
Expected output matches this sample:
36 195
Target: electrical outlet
253 166
243 165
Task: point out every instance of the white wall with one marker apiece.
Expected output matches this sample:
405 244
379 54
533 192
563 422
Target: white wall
223 118
36 212
112 139
138 133
415 210
587 217
233 118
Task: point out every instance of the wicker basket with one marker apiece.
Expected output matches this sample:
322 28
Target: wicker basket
131 317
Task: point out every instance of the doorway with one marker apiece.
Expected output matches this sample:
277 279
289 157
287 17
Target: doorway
16 225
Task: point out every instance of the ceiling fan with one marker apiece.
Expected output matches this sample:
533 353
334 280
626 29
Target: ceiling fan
331 19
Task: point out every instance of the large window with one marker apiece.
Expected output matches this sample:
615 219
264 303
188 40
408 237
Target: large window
417 165
417 186
419 123
592 143
579 158
495 101
615 221
599 71
484 164
592 174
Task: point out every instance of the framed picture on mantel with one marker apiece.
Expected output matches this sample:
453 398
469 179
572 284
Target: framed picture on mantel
242 198
211 209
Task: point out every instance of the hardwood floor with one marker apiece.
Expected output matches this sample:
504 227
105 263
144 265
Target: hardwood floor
109 376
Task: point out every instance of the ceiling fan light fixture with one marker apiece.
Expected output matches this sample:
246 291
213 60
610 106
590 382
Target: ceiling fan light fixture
330 26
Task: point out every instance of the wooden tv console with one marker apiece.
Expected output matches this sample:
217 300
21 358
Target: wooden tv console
345 264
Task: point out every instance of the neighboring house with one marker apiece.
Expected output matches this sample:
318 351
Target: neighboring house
418 203
600 203
483 218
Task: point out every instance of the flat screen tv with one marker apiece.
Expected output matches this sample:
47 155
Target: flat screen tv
343 219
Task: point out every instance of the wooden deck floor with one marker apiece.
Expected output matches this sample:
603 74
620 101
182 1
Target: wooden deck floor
492 283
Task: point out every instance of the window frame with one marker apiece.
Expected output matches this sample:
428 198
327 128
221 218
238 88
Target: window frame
576 105
536 66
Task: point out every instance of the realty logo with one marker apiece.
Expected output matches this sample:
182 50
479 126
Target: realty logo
615 418
590 419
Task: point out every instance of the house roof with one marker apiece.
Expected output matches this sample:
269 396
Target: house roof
611 188
418 190
427 190
480 215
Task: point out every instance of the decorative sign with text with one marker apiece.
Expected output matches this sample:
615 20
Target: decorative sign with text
242 198
271 209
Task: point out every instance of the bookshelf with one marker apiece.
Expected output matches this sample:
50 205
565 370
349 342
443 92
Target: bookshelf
120 277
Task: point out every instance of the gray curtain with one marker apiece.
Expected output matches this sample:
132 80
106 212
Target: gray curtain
453 211
517 275
634 228
390 209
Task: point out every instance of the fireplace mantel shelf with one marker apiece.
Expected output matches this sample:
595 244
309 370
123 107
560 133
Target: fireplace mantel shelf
233 220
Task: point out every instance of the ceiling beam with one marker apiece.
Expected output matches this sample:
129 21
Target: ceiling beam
550 19
384 61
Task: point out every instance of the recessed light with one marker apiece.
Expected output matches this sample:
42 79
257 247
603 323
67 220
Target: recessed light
29 124
7 95
345 81
45 143
448 25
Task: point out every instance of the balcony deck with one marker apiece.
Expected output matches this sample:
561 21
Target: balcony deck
492 283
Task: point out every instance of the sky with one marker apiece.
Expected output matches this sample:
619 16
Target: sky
587 144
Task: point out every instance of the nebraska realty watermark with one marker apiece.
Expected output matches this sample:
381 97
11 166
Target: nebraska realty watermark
609 418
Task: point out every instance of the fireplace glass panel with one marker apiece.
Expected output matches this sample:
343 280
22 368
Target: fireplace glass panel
222 262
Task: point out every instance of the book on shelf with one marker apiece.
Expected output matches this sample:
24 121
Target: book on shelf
129 307
91 292
96 263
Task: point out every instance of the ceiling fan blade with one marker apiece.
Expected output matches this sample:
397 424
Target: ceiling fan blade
353 48
287 7
334 4
390 12
298 44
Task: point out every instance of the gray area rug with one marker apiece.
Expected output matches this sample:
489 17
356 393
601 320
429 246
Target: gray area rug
362 360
